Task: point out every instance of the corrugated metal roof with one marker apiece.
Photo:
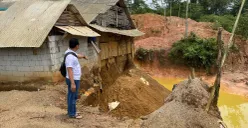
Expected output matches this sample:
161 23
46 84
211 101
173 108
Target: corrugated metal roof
132 33
27 23
90 9
79 30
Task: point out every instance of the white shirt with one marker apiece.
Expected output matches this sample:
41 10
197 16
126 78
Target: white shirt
72 61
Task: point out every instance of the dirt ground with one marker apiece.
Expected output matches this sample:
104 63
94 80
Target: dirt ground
47 109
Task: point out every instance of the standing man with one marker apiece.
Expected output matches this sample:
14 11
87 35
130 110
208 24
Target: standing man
73 75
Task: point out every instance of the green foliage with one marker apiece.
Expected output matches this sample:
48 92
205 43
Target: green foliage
236 6
141 54
194 52
226 21
144 55
242 28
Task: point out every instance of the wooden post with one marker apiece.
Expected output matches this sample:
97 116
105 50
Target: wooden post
219 69
179 9
192 73
215 90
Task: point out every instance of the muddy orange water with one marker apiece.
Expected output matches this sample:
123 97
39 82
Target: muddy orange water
234 108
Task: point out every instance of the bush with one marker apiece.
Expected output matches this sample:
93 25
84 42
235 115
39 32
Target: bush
141 54
194 52
226 21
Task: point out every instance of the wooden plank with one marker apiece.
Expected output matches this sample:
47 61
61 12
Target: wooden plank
104 51
129 47
113 46
122 48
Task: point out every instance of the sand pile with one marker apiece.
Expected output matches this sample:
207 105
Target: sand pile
137 93
185 108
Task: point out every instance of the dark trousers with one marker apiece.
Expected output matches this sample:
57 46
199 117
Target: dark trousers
72 97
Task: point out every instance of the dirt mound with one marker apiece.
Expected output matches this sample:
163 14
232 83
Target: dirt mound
137 93
184 108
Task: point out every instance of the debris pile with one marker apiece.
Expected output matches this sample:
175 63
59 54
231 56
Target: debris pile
185 108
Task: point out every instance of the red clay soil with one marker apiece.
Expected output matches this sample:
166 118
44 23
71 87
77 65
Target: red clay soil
162 33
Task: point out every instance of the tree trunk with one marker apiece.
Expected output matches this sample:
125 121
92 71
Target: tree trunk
186 19
215 90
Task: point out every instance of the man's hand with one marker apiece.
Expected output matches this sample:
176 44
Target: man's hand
80 56
73 87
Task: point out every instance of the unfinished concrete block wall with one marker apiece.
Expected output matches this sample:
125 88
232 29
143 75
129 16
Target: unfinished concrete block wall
58 47
21 64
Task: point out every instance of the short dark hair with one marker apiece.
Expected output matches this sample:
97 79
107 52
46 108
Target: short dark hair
73 42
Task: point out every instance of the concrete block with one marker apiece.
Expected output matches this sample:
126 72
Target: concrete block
4 52
54 38
25 63
2 68
18 58
21 58
38 63
14 52
31 63
24 69
45 63
46 68
5 58
18 74
28 74
52 44
45 74
6 73
38 68
55 67
38 57
16 63
54 50
11 68
4 63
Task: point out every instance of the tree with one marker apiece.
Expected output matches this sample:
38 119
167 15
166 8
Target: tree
215 6
186 19
242 28
236 5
